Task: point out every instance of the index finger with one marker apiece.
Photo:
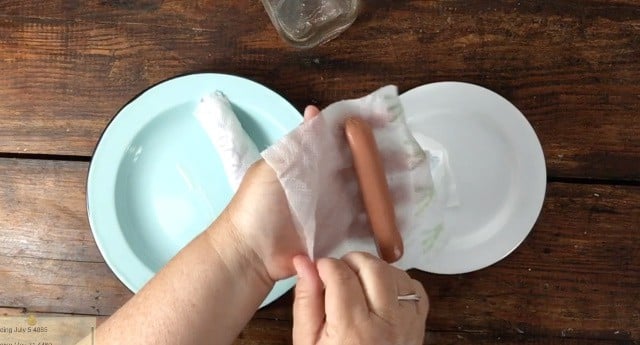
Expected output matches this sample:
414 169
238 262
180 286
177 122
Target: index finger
344 295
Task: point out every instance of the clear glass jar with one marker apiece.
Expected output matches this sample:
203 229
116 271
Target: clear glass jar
308 23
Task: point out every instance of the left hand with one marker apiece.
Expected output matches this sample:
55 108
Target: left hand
260 214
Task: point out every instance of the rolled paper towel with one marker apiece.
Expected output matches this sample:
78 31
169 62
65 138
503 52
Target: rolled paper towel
236 149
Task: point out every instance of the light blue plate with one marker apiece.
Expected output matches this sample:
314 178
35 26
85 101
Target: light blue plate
156 181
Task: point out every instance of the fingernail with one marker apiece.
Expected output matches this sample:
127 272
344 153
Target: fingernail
397 252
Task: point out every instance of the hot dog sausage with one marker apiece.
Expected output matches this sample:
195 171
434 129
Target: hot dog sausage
374 189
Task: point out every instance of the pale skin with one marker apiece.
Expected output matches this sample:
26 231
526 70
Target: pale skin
209 291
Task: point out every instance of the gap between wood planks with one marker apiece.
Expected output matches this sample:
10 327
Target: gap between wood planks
550 179
52 259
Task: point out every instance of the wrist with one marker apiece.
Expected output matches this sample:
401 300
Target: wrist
234 250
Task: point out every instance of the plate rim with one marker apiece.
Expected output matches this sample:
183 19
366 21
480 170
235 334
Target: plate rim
539 158
281 287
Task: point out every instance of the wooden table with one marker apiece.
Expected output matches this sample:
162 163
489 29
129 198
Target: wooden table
571 66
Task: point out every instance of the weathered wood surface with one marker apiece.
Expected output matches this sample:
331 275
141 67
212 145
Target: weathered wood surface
278 332
571 66
575 280
43 211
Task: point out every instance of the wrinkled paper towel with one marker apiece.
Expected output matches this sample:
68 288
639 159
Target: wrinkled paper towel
314 165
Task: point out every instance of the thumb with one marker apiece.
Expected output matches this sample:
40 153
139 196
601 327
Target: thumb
308 306
310 112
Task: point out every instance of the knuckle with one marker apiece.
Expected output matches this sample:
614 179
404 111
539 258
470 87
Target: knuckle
343 275
335 270
324 264
378 269
402 275
370 262
367 264
358 257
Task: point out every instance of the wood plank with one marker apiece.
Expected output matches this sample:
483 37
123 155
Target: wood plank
576 276
571 67
577 273
46 285
263 331
199 15
24 312
277 332
43 211
212 15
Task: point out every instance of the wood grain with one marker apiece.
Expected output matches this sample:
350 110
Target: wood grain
275 332
576 275
263 331
572 67
46 285
43 211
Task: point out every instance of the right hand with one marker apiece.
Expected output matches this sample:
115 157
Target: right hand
355 301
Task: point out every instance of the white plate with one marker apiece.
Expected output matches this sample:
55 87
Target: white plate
498 166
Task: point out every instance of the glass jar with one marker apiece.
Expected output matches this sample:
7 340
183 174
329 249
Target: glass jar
308 23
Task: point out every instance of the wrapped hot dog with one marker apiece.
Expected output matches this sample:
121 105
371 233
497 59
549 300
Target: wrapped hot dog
315 166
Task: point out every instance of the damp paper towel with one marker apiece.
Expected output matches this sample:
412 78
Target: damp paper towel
315 168
236 149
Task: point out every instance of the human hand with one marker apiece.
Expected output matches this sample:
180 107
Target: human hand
259 212
359 304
